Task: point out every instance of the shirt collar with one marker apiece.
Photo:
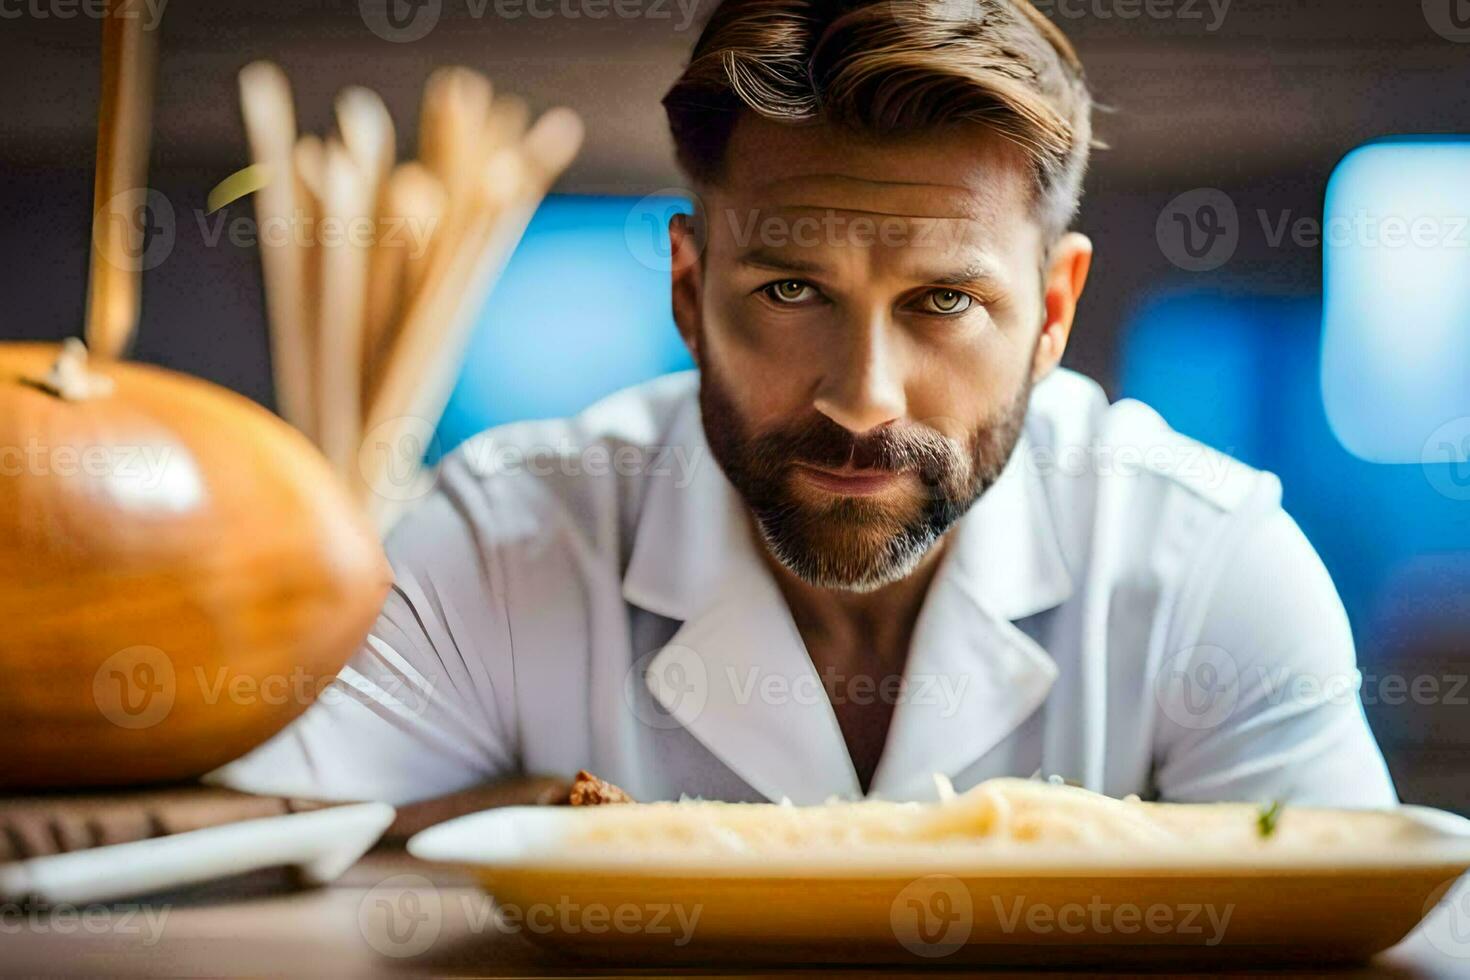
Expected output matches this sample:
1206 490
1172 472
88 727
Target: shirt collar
695 560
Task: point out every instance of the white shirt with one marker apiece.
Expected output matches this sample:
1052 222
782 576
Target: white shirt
1125 608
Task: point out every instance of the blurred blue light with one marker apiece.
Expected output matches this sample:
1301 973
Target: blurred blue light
1241 374
581 311
1396 275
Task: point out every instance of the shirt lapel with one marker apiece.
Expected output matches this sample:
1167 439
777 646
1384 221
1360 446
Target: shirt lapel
736 674
972 676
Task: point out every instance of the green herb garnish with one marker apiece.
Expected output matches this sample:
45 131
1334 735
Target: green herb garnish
1267 819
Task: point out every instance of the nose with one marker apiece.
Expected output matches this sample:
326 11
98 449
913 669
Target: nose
863 386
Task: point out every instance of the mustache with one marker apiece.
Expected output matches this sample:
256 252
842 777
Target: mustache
822 442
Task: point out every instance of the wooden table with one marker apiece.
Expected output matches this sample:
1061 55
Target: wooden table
260 926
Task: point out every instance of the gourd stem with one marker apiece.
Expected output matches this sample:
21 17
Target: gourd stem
70 377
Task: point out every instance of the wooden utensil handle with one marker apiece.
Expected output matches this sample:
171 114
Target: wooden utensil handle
120 199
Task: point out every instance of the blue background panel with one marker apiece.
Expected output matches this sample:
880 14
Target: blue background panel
579 313
1240 373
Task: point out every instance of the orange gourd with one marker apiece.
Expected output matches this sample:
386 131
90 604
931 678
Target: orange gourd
180 572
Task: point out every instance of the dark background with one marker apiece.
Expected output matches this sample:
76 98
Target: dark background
1262 108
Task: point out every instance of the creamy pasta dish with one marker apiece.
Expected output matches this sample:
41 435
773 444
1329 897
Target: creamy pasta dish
1000 813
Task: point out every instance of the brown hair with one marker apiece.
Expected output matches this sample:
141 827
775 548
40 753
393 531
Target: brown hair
889 68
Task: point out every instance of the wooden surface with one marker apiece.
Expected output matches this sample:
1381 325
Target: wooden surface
259 926
41 825
38 825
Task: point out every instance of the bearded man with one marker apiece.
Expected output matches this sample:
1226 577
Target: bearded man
879 533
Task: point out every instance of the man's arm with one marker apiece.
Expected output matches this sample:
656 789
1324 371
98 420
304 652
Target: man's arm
425 707
1263 704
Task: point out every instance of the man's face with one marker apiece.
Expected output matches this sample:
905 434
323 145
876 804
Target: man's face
866 320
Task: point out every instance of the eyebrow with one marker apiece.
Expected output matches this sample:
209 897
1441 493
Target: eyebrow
979 271
765 258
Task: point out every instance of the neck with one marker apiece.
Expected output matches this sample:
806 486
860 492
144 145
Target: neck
875 626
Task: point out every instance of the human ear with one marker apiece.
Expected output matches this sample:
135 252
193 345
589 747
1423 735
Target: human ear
1065 278
686 272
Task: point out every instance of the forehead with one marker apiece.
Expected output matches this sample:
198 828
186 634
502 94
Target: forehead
960 171
970 183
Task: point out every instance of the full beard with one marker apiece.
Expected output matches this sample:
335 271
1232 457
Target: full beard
858 543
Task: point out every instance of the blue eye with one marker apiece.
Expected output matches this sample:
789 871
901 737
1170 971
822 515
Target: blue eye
789 291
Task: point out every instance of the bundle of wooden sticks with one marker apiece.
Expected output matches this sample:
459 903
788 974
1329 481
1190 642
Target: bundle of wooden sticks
376 270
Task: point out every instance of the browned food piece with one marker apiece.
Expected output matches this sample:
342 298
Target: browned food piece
588 790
